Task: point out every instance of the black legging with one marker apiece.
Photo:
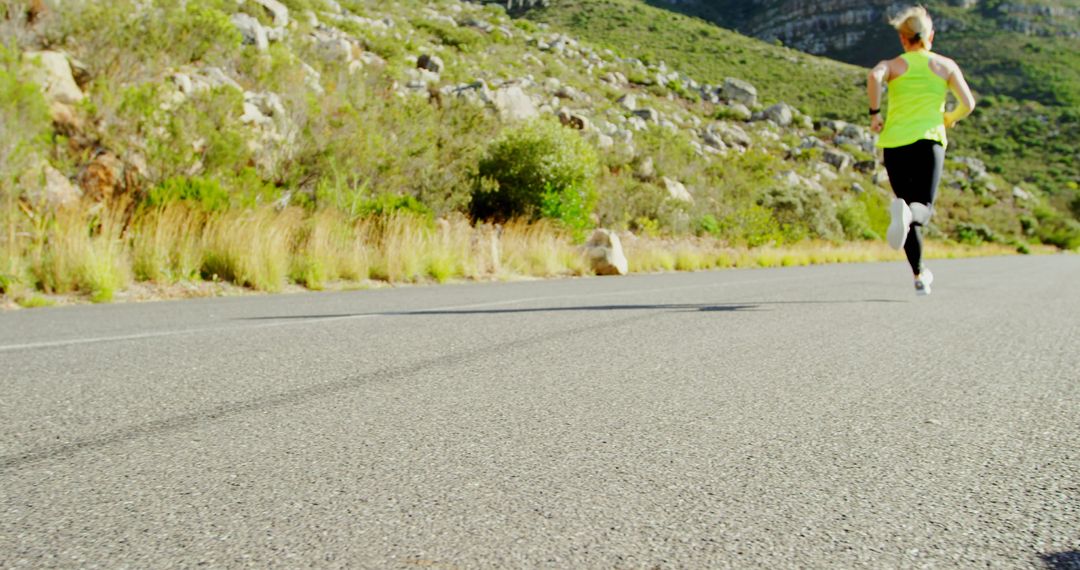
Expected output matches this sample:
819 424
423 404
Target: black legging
915 172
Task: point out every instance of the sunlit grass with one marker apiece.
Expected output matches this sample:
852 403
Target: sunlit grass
93 252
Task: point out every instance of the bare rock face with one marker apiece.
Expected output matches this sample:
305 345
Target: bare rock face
52 71
606 253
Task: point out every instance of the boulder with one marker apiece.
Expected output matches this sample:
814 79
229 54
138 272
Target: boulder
55 189
513 104
648 114
780 114
713 140
606 254
839 159
432 63
677 190
732 135
568 92
645 170
740 112
574 120
276 10
739 91
51 70
253 32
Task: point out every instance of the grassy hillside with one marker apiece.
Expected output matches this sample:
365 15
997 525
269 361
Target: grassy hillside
818 86
1022 58
1027 128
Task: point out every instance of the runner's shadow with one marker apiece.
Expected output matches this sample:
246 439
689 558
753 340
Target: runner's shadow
1062 560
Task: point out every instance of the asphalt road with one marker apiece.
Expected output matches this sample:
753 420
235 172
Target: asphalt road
792 418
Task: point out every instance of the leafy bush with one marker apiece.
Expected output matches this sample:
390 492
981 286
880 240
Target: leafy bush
531 160
802 209
975 234
1057 230
571 208
24 119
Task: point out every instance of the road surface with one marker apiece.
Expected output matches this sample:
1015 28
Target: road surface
789 418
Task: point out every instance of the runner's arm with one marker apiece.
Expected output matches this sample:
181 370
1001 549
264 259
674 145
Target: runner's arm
965 100
874 83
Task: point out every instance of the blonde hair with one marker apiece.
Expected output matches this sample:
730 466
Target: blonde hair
914 25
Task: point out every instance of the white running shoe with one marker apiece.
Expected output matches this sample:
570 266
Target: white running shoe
923 281
901 222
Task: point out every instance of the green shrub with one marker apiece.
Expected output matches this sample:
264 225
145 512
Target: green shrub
801 210
205 193
975 234
526 162
24 120
571 208
387 204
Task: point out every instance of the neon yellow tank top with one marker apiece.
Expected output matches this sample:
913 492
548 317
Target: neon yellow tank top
916 104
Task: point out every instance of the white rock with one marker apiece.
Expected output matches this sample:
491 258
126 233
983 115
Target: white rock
677 190
55 189
277 10
254 33
606 254
739 91
52 71
513 103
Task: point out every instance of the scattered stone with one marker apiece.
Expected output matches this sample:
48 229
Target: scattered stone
739 91
276 9
253 32
780 114
513 104
1021 194
740 112
732 135
567 92
677 190
432 63
645 170
573 120
866 166
606 254
838 159
857 188
55 189
648 114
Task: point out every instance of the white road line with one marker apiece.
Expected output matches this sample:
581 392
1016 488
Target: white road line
315 320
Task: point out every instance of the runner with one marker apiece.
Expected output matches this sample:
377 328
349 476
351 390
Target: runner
913 135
